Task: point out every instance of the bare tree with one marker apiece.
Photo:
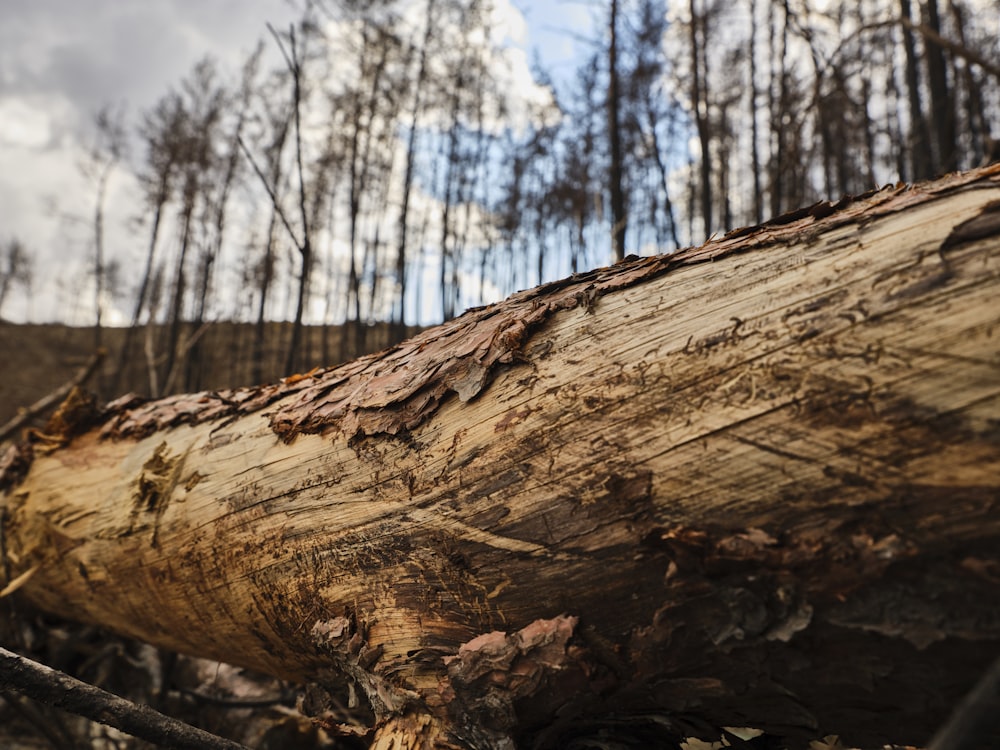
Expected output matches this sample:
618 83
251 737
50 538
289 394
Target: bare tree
778 102
758 198
416 105
276 123
103 155
942 103
619 219
649 109
377 43
16 268
920 155
204 102
698 34
214 213
293 59
160 131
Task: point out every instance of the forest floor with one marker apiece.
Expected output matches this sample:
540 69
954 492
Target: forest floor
36 359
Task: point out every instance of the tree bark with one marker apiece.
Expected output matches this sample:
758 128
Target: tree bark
752 483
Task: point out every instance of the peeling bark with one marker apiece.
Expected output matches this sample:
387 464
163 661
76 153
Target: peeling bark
749 483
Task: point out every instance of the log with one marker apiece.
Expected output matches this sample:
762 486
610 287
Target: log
752 483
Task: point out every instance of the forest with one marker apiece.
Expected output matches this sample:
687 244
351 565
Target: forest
388 166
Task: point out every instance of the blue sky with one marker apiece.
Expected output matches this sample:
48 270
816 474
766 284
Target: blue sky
556 29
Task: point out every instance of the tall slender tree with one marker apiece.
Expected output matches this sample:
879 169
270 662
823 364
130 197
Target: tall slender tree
103 156
619 219
942 104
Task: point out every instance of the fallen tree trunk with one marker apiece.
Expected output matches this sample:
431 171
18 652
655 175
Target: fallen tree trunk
753 483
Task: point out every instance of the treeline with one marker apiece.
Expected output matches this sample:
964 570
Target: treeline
397 165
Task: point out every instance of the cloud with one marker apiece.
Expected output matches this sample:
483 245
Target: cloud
25 123
61 61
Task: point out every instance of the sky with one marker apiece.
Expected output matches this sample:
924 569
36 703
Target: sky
61 61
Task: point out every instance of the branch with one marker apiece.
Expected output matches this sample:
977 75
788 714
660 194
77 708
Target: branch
295 68
931 36
58 689
270 193
281 46
956 49
26 415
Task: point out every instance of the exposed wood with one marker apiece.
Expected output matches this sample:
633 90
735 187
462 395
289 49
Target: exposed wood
753 483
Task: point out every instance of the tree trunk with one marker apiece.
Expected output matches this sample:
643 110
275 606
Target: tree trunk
752 483
399 305
921 162
758 196
700 105
942 103
619 219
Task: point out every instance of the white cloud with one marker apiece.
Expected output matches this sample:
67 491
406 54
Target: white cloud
61 61
25 124
508 23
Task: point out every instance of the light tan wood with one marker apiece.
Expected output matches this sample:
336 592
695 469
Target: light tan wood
646 483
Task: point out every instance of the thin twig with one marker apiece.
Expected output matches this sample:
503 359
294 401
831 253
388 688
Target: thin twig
967 54
959 50
47 685
270 193
26 415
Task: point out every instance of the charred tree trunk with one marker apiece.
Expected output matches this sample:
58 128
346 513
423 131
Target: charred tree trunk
700 105
749 483
942 103
619 219
921 163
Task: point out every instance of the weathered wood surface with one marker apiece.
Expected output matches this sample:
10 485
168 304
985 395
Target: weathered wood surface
752 483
